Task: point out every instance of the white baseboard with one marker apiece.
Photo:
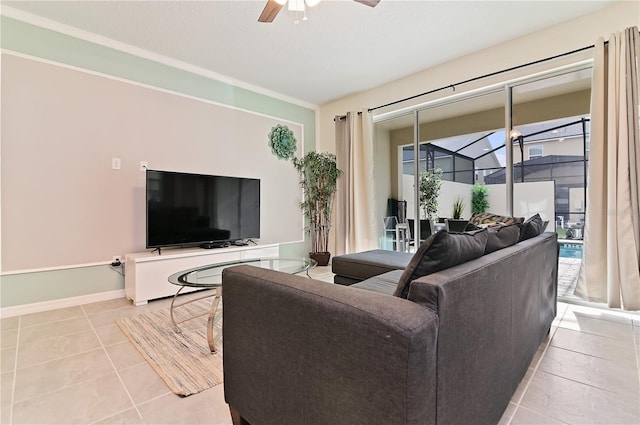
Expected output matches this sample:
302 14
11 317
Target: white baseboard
19 310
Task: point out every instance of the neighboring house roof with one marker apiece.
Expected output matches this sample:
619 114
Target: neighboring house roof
533 166
542 134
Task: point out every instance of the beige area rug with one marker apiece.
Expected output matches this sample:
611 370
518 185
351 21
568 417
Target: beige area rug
182 360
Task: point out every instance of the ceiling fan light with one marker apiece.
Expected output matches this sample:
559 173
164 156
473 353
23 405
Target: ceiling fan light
281 2
312 3
296 5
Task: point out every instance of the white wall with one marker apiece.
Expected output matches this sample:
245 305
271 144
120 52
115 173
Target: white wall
529 198
449 192
69 106
63 204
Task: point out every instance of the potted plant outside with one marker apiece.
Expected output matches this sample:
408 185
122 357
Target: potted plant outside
458 207
479 201
429 188
457 224
318 179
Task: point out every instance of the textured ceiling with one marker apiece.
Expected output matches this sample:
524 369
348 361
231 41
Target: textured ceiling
343 48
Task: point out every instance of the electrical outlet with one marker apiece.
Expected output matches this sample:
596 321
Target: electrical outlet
116 259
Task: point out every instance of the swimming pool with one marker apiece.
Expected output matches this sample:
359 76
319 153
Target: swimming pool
570 250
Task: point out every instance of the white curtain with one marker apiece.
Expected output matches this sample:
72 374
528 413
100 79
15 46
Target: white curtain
355 225
610 270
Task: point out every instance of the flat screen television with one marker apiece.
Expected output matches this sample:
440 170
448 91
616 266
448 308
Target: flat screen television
194 209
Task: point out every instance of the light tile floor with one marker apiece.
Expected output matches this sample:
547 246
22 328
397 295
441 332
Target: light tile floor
74 365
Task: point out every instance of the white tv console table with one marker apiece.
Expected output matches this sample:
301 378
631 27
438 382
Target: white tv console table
146 273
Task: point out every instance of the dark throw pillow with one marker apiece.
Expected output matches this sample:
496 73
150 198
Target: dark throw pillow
471 227
544 226
531 228
441 251
502 237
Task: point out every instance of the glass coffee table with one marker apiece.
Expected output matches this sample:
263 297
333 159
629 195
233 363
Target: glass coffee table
210 277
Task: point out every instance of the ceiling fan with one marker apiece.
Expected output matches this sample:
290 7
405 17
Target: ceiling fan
272 7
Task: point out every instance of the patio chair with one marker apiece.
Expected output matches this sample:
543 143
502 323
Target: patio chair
426 229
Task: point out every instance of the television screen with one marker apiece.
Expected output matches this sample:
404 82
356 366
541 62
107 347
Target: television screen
191 209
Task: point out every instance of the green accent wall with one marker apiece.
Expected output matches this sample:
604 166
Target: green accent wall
27 288
31 40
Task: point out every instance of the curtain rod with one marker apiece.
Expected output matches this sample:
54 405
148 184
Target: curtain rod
341 117
453 86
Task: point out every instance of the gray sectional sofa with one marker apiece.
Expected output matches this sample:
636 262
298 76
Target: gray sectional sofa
300 351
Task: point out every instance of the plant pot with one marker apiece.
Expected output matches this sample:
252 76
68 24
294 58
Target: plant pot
322 258
455 225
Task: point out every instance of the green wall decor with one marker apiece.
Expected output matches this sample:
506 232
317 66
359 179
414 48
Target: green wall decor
282 142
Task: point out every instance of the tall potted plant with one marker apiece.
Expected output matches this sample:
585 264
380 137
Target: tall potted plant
318 179
429 188
430 182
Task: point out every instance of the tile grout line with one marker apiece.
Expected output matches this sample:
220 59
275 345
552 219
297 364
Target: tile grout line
157 397
586 354
113 366
593 355
13 400
63 357
15 371
535 369
585 384
585 332
60 388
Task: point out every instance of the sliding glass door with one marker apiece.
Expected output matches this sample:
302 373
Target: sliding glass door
392 206
551 118
525 142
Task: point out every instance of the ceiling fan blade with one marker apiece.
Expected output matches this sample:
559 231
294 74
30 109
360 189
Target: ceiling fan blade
270 11
371 3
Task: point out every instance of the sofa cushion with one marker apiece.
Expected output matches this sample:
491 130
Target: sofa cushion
352 268
488 219
441 251
384 284
531 228
502 237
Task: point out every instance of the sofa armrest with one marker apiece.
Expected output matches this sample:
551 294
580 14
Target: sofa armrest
302 351
493 313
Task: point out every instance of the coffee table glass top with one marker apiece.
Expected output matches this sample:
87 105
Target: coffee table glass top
210 276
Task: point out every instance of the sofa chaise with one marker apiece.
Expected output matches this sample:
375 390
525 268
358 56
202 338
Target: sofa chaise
450 348
356 267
